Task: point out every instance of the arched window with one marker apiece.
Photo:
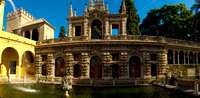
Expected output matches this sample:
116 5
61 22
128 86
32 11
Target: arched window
96 29
35 35
77 71
95 67
27 34
134 67
10 59
170 57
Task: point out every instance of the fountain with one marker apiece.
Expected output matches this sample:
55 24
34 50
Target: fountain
13 5
66 85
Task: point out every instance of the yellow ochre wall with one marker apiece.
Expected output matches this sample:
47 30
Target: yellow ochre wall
21 45
1 13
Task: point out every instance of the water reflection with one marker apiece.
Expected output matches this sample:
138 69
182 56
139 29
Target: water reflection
55 91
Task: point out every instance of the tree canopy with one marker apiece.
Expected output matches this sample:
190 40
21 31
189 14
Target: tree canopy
62 32
169 21
132 17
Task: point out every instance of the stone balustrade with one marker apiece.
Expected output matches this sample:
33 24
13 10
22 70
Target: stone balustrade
153 39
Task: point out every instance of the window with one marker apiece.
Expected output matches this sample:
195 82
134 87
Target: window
115 29
77 30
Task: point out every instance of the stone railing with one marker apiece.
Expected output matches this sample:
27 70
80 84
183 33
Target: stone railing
155 39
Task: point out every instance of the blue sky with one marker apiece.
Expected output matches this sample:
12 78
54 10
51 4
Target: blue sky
56 12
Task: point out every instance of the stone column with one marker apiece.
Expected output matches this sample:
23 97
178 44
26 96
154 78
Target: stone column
85 61
123 28
69 58
178 57
124 73
85 32
107 70
147 65
31 34
38 64
107 33
162 64
70 29
51 67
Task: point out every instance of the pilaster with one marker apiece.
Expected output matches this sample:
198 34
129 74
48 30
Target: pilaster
51 67
85 65
107 70
38 64
124 74
69 58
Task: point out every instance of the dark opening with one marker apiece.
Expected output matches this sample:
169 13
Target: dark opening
115 56
35 35
27 34
44 57
115 71
170 57
77 70
77 30
153 70
13 65
44 69
95 67
60 67
176 57
77 56
153 57
181 57
191 58
134 67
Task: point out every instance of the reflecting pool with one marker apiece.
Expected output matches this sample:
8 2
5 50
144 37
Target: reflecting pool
54 91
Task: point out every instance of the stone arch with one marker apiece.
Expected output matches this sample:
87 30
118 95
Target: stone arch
28 67
77 70
35 35
135 67
170 57
60 67
27 34
115 71
96 29
96 67
10 59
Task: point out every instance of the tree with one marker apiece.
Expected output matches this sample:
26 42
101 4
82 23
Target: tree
132 17
62 32
169 21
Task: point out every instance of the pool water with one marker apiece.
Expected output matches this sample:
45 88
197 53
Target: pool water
55 91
